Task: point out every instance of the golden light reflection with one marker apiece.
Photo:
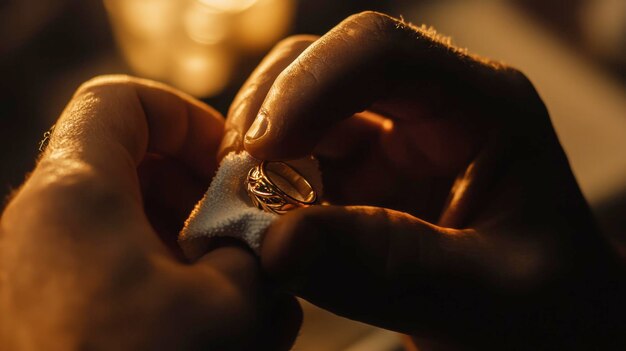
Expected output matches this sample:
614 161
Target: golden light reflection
259 29
205 25
146 59
229 5
210 70
144 18
196 44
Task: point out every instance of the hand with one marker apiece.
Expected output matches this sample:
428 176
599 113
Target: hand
481 238
81 264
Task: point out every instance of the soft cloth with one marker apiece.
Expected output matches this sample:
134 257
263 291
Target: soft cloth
226 209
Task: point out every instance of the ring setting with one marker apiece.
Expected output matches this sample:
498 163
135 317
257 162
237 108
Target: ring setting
276 187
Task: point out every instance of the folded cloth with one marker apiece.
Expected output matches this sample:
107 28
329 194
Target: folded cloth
226 209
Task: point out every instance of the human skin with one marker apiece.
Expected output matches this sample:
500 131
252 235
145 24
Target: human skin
455 218
87 244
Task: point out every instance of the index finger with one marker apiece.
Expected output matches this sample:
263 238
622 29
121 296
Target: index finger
88 171
370 60
250 97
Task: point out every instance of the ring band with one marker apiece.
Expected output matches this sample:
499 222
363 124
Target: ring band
276 187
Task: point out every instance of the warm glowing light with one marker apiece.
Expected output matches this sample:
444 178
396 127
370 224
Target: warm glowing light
146 59
264 24
194 44
229 5
202 72
145 18
205 25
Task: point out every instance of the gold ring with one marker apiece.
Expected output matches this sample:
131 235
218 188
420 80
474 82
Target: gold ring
276 187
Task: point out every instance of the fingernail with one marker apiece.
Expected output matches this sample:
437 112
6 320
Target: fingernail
258 128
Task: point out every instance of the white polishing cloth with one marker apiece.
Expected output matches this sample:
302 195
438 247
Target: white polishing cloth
226 209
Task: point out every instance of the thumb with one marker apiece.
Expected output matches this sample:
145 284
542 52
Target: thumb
357 261
386 268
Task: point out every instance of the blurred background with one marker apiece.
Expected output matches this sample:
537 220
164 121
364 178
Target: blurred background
573 50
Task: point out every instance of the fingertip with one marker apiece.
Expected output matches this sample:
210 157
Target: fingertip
253 141
234 260
258 129
244 111
294 243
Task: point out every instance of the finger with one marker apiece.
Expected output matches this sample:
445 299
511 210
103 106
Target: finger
234 270
228 289
115 119
388 268
169 191
170 188
369 57
100 138
246 104
234 261
347 139
343 258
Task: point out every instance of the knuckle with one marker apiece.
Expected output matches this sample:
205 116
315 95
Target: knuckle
296 41
373 18
102 90
511 82
371 31
522 86
106 81
374 21
98 97
523 100
518 80
117 87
